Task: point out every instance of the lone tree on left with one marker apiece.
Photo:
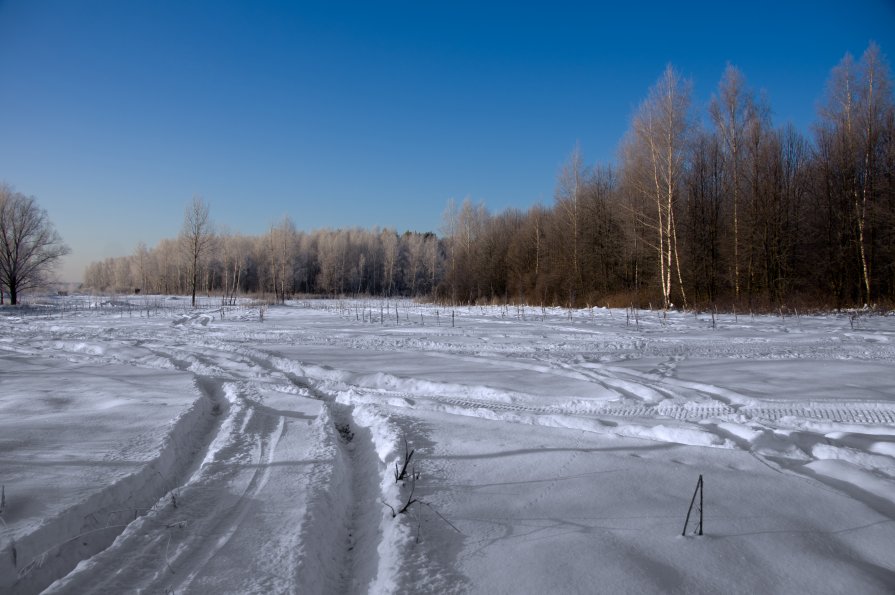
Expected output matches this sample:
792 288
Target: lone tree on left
30 247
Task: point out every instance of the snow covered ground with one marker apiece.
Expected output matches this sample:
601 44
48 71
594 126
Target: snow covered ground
147 446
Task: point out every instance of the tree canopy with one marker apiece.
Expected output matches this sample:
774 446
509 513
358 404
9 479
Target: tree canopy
30 247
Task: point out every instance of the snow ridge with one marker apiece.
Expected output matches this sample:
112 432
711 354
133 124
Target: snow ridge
81 531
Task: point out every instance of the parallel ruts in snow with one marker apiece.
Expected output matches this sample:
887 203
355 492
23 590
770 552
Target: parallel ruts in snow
843 413
280 491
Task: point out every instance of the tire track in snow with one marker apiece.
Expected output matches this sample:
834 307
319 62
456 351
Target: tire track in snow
99 519
172 543
230 523
704 401
855 414
343 514
362 506
344 523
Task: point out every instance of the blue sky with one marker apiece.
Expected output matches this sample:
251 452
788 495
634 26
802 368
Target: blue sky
114 114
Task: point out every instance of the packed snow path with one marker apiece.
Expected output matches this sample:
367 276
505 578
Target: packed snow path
554 450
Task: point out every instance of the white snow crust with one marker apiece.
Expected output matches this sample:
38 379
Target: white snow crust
149 447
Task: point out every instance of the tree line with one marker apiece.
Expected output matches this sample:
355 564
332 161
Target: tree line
717 207
714 206
280 263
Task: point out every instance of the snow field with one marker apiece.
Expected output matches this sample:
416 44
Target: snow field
574 511
557 450
86 449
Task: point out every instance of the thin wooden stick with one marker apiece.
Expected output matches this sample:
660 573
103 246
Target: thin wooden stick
698 490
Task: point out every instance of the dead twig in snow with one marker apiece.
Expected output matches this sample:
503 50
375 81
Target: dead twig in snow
402 472
410 498
394 514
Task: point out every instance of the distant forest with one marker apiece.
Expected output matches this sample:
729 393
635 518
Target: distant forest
712 208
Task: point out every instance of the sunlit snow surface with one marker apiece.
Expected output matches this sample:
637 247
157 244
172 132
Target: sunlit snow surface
150 446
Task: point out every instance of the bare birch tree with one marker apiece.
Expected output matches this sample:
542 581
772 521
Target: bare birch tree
389 240
572 179
851 134
282 261
141 265
195 239
731 111
660 129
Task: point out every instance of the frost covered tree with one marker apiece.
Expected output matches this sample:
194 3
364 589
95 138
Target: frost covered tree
656 158
732 110
389 240
572 179
854 138
195 238
30 247
282 238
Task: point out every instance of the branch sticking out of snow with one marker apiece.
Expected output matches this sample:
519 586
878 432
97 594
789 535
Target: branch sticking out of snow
410 498
401 473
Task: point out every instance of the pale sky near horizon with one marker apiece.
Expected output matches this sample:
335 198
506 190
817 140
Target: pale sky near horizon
114 114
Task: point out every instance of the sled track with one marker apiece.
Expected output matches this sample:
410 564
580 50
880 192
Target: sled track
863 414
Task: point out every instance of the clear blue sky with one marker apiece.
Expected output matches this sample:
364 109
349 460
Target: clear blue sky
115 113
